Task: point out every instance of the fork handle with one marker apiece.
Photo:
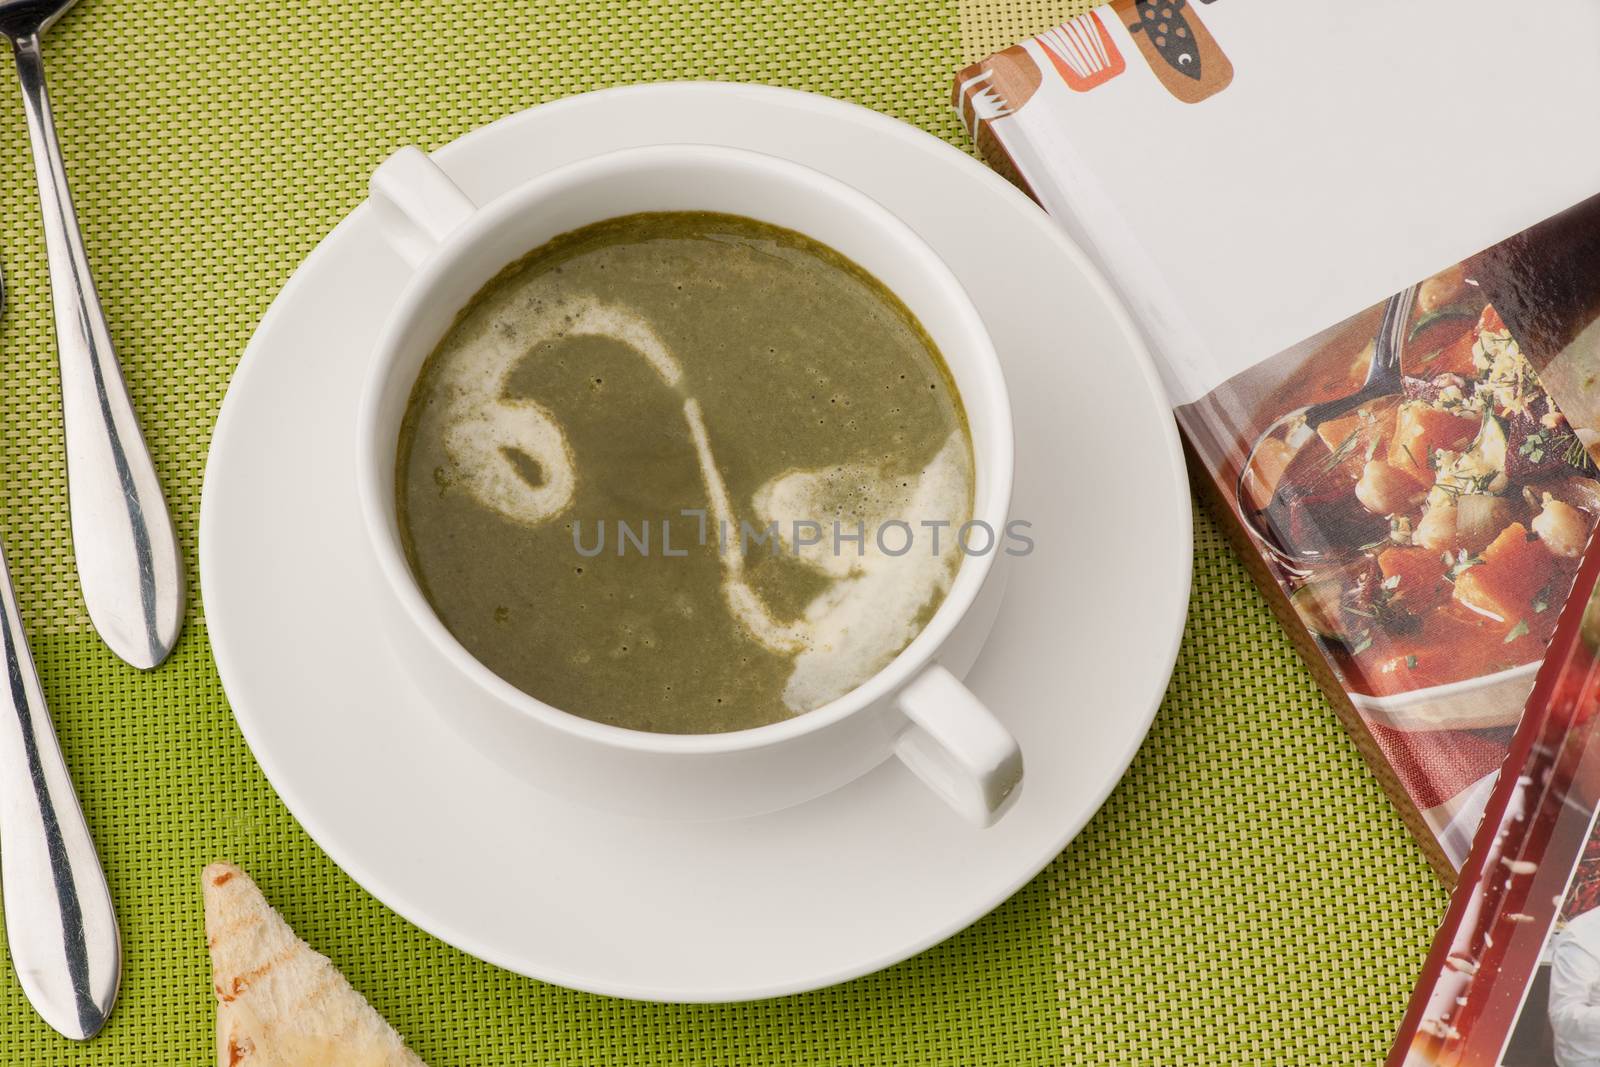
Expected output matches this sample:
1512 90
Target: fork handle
127 555
60 925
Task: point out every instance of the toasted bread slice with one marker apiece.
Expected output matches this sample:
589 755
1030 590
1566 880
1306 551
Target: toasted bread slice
279 1004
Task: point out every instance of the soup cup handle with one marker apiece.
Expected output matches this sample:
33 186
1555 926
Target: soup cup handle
418 205
957 747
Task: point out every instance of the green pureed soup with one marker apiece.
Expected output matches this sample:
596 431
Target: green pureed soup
661 471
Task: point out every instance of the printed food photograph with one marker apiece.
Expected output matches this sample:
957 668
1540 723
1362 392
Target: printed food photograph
1421 497
1556 1012
1512 977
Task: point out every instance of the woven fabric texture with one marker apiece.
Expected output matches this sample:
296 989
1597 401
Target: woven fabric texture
1246 896
986 26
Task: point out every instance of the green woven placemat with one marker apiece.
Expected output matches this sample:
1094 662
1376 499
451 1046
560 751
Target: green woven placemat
1246 896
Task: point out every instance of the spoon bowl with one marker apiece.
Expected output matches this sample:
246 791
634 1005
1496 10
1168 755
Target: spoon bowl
1264 492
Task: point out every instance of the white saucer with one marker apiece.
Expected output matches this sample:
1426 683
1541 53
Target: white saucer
731 910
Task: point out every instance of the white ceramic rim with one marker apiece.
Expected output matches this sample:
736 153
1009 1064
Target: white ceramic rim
1398 701
992 483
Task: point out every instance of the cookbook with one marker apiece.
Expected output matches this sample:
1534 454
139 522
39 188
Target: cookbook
1362 240
1514 972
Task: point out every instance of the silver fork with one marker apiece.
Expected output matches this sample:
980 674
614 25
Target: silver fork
60 924
122 538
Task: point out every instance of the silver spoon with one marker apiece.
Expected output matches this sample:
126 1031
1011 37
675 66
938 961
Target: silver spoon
60 924
122 538
1383 379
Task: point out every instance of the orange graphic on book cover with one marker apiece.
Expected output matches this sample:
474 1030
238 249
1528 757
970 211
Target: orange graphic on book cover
995 89
1083 53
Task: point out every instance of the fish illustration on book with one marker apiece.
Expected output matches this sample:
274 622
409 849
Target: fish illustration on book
1178 47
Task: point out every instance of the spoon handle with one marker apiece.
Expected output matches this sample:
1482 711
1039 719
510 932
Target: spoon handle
1391 340
127 554
60 925
1384 374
